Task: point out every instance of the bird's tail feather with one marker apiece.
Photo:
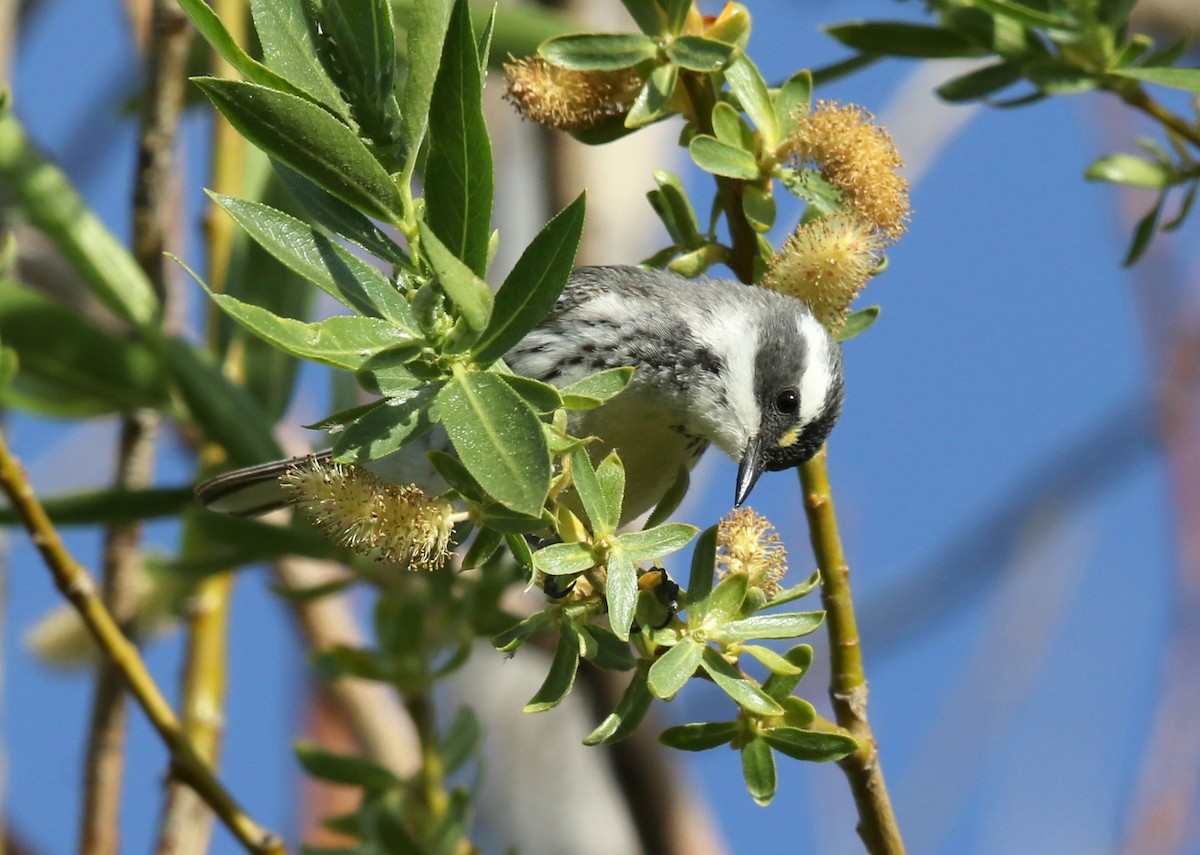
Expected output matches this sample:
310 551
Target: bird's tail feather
248 492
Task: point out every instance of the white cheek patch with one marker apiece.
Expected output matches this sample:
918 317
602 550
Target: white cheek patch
817 379
732 334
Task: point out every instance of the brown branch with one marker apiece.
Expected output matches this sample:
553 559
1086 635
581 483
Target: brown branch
166 56
848 684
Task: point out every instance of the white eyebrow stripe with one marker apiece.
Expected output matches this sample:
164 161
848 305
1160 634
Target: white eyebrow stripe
817 379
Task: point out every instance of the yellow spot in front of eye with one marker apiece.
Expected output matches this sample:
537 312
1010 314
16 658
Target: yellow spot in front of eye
789 438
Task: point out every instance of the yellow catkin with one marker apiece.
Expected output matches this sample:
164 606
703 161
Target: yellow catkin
858 156
357 510
567 99
825 264
748 544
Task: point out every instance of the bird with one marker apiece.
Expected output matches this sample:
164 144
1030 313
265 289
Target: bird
716 362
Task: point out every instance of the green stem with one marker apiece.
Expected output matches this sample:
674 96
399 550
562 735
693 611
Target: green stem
848 683
1136 97
743 240
431 783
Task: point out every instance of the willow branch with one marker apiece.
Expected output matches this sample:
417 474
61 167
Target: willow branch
76 585
1136 97
166 56
848 683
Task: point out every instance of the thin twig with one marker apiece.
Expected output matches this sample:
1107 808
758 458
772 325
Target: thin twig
75 583
166 56
1136 97
848 683
104 757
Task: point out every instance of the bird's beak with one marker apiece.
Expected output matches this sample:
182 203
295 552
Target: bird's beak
749 470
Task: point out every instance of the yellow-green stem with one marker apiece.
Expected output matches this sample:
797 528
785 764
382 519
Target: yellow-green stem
78 588
431 783
848 683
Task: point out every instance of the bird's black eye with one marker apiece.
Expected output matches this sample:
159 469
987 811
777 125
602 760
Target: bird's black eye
788 401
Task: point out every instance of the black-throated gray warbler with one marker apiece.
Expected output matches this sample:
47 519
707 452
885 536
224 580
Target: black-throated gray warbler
746 369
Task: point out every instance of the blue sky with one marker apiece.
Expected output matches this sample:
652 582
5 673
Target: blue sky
1013 718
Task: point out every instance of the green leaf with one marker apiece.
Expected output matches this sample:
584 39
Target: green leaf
608 651
1129 169
1056 77
518 633
501 519
599 51
630 710
65 358
670 201
653 99
621 591
723 603
427 23
343 341
211 27
751 91
468 292
386 428
775 662
719 158
859 322
559 679
587 486
535 283
675 667
671 499
519 547
647 14
700 736
458 168
810 745
289 48
483 547
461 740
730 128
656 542
980 83
310 141
339 273
543 397
225 413
758 204
46 197
358 44
564 559
1143 232
498 438
737 685
758 768
341 219
343 769
105 507
8 366
701 578
1024 15
697 53
594 390
677 14
792 101
795 592
611 476
899 38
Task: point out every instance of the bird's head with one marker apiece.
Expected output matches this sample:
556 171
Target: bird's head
798 386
